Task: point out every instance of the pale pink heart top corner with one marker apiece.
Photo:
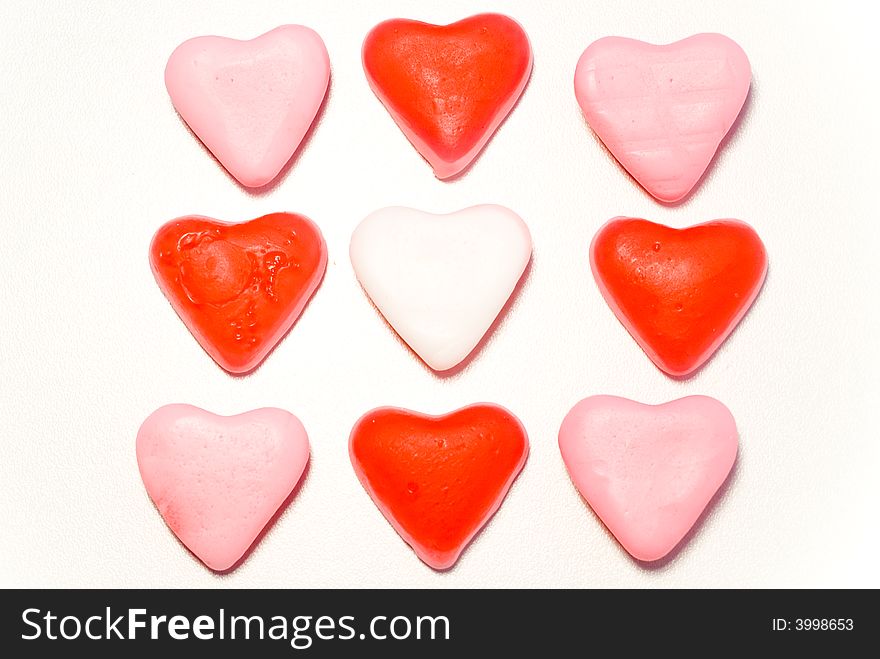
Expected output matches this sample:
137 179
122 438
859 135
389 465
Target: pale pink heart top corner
250 102
218 481
663 110
648 471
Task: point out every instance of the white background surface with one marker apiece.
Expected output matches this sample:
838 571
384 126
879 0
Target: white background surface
94 159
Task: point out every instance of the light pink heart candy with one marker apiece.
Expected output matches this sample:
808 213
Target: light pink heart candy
218 481
648 471
250 102
663 110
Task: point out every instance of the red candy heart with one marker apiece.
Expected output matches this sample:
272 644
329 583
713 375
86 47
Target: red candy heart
239 287
448 87
438 479
679 292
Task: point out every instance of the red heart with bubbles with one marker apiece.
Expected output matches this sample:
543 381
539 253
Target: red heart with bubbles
239 287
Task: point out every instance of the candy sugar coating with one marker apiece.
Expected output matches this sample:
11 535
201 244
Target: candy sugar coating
648 471
216 480
438 479
250 102
448 87
663 111
239 287
679 292
441 280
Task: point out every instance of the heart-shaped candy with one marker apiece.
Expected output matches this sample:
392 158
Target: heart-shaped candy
648 471
448 87
239 287
662 111
250 102
438 479
679 292
218 481
441 280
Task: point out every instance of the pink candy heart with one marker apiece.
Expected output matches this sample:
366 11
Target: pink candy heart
218 481
663 110
648 471
250 102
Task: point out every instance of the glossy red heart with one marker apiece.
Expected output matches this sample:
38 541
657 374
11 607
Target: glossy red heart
438 479
679 292
448 87
239 287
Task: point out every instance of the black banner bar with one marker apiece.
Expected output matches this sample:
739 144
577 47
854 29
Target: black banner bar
427 623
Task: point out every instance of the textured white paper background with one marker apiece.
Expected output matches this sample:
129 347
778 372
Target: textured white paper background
94 159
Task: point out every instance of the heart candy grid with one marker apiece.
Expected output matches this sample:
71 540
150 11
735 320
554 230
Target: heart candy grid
442 280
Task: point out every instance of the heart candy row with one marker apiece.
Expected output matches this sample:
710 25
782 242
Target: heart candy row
441 280
662 111
647 471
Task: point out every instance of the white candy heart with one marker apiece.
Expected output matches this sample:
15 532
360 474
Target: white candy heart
441 280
